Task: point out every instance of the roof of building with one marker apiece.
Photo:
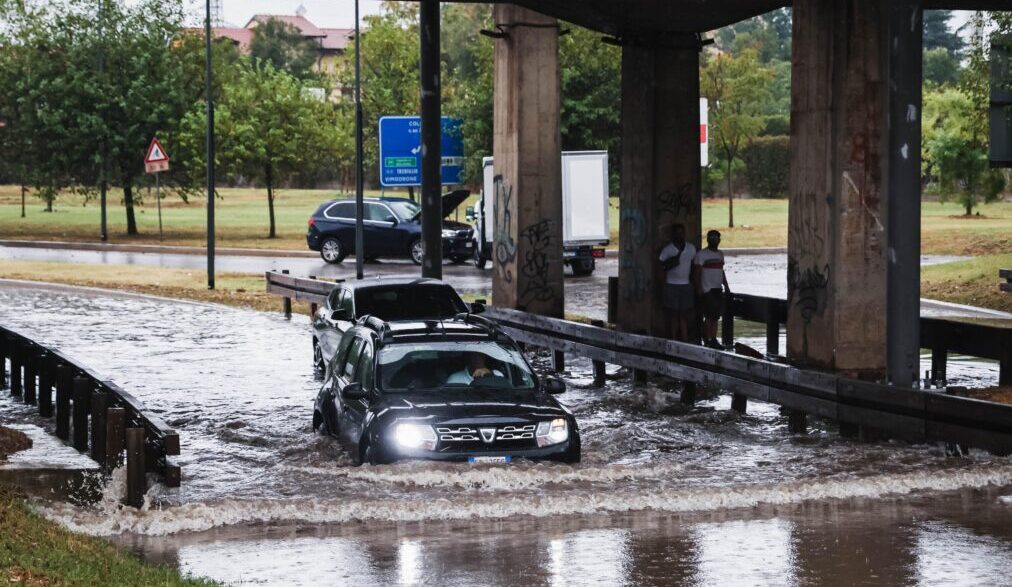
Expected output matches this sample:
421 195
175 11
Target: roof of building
337 39
240 36
300 22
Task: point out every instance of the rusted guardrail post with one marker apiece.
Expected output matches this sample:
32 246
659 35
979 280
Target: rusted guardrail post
115 437
558 361
688 396
64 389
739 403
82 399
135 467
939 356
287 303
45 391
313 306
727 322
772 327
599 369
16 356
31 370
797 422
99 404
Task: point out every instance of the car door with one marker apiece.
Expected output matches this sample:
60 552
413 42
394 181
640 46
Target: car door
380 231
323 325
355 410
332 330
340 219
349 411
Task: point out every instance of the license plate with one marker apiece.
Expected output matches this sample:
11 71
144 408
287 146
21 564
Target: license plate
568 254
468 245
488 459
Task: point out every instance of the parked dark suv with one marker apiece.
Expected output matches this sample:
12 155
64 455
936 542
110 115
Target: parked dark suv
387 298
392 228
451 390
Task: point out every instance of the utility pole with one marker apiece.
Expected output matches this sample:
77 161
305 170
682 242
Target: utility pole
103 185
359 180
432 201
210 150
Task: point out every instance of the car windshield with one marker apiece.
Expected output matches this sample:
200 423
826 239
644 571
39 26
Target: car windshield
452 365
405 210
409 302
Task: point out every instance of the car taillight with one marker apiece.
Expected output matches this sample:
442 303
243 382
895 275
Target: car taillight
311 222
597 253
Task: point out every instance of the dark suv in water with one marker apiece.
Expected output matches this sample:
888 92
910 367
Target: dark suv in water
391 228
454 390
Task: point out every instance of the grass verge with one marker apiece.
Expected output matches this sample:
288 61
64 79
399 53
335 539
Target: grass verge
241 220
35 551
973 282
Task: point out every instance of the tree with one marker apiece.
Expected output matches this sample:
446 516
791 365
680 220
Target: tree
736 87
468 81
269 130
941 67
938 35
283 46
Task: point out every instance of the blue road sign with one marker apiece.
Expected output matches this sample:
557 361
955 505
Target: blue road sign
400 146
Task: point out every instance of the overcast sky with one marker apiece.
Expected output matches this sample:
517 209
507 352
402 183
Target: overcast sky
336 13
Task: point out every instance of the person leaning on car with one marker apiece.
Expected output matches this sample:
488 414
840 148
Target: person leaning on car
708 275
676 259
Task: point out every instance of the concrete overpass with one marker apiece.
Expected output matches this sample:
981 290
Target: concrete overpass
854 226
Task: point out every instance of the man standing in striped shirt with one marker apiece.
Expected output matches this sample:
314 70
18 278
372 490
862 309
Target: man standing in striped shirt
708 276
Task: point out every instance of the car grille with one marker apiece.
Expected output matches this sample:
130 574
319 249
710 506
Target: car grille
468 438
464 234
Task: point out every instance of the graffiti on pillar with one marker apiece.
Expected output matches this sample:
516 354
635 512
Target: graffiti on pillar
807 272
632 238
679 202
505 247
534 265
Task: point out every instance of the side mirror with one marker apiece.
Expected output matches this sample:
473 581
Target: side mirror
469 213
392 220
341 314
478 307
353 391
553 386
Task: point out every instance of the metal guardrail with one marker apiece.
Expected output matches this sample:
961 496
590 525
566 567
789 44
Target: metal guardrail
92 413
906 414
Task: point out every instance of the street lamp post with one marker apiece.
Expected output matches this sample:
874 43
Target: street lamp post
359 180
210 150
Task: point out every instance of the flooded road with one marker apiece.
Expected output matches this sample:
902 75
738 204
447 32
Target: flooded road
664 495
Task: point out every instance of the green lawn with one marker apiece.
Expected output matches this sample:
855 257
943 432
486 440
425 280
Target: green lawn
242 221
974 282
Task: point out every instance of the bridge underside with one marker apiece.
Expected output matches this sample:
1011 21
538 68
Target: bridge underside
854 236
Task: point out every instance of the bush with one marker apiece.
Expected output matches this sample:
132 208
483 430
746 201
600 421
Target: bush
768 166
777 124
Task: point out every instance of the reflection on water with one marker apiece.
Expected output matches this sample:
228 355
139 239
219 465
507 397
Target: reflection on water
956 539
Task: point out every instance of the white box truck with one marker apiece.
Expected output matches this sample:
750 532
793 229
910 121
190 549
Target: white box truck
585 226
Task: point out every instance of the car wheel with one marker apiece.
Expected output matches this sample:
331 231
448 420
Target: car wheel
479 259
417 251
318 364
332 251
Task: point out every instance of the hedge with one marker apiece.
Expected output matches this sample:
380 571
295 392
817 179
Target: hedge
768 166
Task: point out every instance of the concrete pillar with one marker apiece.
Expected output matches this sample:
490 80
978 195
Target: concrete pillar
660 170
527 252
836 229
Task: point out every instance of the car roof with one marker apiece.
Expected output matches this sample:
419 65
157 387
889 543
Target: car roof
379 282
369 199
460 328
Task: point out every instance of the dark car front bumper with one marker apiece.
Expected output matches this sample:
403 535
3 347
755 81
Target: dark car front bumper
564 451
458 247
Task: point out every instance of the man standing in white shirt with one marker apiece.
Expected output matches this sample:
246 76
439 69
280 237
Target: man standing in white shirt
709 276
678 299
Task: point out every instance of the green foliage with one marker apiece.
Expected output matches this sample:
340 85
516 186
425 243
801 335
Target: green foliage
769 34
468 81
736 87
768 166
941 67
269 129
282 46
938 35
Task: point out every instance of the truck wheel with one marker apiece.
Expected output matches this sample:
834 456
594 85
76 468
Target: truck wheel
332 250
479 259
583 267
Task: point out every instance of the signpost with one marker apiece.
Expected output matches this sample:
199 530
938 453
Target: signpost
157 161
400 145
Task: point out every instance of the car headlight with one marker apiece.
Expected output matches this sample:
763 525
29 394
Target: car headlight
448 233
553 432
415 436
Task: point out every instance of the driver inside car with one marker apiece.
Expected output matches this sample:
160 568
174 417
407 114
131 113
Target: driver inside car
474 369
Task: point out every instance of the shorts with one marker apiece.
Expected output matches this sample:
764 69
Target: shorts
713 304
678 298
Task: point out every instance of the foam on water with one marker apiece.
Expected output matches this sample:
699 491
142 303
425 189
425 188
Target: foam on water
109 519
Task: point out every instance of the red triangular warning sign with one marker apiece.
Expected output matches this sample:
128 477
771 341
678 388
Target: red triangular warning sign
155 152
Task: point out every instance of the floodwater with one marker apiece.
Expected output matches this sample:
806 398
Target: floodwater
664 495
